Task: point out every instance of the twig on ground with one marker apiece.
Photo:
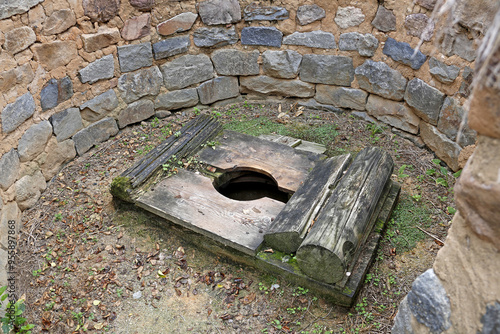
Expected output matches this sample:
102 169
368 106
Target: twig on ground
430 235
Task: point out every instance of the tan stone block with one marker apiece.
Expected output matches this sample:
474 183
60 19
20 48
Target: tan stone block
40 78
465 154
7 62
55 155
77 7
477 192
446 149
59 21
2 39
179 23
55 54
19 39
136 27
28 190
468 268
102 39
37 17
88 57
484 112
86 26
23 57
109 50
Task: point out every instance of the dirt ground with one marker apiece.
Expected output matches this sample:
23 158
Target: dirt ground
91 264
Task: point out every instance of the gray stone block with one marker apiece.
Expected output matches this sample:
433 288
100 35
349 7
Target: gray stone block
366 44
66 123
464 90
254 12
187 70
55 92
9 165
315 105
464 47
177 99
94 134
33 141
442 72
429 302
220 88
215 37
309 13
491 319
28 189
213 12
14 114
402 322
402 52
341 97
134 85
136 112
378 78
103 68
13 7
425 100
99 106
445 149
235 62
281 64
313 39
271 86
384 20
450 118
396 114
419 25
133 57
171 47
266 36
49 94
326 69
349 17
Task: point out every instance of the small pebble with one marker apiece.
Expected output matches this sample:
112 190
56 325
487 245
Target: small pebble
137 295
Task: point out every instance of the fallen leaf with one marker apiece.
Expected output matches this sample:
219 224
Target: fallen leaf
248 298
269 250
96 302
99 325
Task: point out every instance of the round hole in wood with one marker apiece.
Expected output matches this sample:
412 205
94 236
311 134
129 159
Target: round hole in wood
248 185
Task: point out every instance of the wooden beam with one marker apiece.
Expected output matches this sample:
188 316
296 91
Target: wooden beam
290 227
344 220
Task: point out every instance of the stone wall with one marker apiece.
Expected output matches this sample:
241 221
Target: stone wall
72 73
461 293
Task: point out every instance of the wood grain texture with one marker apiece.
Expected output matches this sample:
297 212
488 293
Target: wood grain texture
290 227
190 200
287 166
344 220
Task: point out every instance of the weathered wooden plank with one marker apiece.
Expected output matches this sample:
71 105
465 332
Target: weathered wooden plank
290 227
205 130
196 132
341 225
160 149
298 144
190 200
287 166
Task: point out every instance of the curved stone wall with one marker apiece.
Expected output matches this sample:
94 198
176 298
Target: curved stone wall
72 73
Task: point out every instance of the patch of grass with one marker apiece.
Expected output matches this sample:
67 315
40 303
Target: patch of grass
401 229
323 134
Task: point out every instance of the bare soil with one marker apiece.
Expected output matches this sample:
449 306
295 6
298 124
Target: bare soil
88 263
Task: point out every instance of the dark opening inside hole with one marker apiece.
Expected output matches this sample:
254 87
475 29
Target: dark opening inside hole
245 185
